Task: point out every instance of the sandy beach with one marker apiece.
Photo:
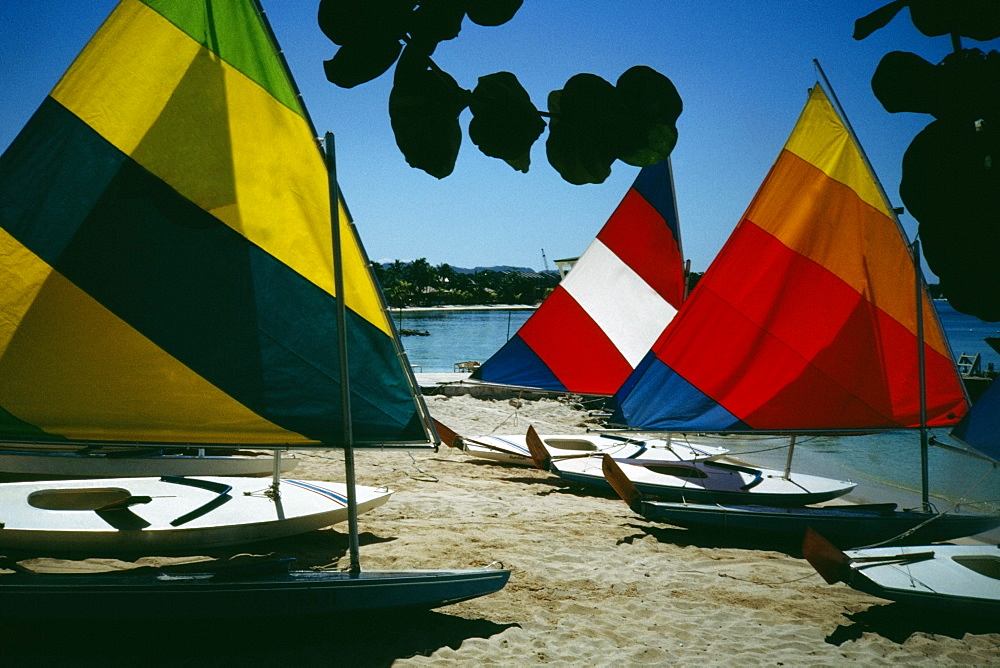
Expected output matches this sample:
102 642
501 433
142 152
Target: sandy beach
592 585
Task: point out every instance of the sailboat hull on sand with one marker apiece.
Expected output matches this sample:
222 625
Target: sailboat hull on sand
963 578
707 482
843 525
959 579
131 463
29 597
153 515
510 449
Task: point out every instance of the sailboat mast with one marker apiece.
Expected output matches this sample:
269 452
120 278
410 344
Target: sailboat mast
924 446
677 219
919 303
345 374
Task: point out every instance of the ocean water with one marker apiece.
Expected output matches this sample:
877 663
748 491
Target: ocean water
886 466
456 335
460 335
966 334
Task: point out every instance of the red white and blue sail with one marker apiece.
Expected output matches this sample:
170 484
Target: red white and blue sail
590 333
807 319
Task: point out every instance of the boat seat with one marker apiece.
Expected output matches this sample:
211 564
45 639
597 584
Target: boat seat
677 471
574 444
987 565
83 498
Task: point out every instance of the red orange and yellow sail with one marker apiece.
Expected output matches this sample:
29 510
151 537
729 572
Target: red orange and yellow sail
807 319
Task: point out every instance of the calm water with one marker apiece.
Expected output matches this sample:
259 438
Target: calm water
462 335
886 466
966 333
456 335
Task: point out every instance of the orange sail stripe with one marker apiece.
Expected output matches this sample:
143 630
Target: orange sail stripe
856 230
812 359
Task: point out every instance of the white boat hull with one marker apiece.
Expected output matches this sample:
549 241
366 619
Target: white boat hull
962 576
45 463
151 515
708 482
513 449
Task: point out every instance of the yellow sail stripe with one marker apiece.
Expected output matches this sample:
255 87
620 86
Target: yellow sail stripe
820 179
821 139
141 83
70 356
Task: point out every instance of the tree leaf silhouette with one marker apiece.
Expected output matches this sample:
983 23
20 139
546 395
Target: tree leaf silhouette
359 63
583 132
504 122
424 105
492 12
651 106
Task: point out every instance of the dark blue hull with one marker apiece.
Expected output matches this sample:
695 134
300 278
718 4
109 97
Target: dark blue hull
29 596
845 526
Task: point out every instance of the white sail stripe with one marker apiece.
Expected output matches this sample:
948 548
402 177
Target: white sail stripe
623 305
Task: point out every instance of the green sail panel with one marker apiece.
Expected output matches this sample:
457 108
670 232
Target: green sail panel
146 305
231 30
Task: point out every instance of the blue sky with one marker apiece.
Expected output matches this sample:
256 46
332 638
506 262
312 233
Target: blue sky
742 69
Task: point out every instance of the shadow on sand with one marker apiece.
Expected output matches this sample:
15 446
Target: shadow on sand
367 640
556 485
124 638
898 621
709 538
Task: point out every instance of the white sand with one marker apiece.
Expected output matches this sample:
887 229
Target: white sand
593 584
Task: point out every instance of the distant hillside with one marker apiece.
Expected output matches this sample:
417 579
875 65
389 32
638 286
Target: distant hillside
418 283
503 267
466 270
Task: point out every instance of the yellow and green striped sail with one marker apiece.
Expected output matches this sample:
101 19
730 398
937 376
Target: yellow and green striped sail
166 269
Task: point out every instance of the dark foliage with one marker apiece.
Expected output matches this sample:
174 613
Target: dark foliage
951 170
593 123
418 283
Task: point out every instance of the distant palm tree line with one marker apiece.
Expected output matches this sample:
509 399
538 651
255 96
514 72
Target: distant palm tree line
418 283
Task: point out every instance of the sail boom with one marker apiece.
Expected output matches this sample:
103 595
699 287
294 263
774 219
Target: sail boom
833 431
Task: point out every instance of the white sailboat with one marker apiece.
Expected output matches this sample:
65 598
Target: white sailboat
22 461
170 514
515 449
180 269
954 578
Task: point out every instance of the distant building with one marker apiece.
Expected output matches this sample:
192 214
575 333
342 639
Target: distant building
565 265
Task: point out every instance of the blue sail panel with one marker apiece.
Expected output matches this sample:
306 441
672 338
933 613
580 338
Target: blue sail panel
637 403
980 427
517 364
